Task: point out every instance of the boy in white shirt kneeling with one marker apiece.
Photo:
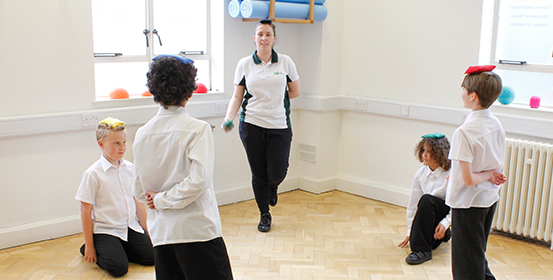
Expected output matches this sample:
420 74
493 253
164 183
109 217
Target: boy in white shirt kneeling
113 236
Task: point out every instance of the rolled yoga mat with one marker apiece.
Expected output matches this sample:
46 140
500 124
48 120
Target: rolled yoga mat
260 9
317 2
234 8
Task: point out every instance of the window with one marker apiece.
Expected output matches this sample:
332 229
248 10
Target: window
129 33
522 47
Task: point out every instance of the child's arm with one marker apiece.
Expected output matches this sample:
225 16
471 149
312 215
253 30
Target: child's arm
86 220
416 193
142 215
471 178
199 179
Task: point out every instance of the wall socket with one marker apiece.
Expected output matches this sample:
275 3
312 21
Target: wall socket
89 120
404 110
221 108
360 105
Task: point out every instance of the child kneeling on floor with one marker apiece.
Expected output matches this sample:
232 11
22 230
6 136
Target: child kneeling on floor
112 234
428 217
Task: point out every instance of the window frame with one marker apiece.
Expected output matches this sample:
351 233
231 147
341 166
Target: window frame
150 49
487 55
492 59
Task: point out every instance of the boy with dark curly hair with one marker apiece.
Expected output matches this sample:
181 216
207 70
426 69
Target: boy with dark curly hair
428 217
174 156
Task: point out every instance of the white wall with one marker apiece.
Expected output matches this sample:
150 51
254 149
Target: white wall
47 70
395 51
411 52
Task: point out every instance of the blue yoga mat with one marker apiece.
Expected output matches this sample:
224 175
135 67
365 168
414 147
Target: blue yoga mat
234 8
260 9
317 2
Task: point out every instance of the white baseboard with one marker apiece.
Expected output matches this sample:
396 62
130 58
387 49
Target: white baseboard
45 230
317 186
373 190
234 194
244 192
24 234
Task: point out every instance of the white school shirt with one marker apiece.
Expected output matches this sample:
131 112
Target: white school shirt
430 182
266 102
174 156
109 190
480 140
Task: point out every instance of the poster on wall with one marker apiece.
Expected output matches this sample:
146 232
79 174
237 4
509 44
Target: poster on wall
525 31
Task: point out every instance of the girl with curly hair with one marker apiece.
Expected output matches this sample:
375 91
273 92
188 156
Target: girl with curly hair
428 217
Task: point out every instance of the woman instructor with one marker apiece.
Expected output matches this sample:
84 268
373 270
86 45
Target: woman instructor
264 83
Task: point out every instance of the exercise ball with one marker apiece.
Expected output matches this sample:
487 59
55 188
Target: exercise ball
200 88
507 95
119 93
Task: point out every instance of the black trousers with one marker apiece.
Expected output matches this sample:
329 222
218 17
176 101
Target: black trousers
430 211
193 261
470 231
113 254
268 152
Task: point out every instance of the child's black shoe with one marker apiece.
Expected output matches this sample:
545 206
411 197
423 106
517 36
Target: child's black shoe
418 257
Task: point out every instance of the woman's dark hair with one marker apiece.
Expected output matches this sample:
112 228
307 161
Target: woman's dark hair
439 151
171 81
267 22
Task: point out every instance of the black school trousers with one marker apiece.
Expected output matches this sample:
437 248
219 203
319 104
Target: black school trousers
113 254
430 212
268 152
470 231
193 261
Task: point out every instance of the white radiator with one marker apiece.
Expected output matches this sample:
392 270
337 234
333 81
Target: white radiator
525 206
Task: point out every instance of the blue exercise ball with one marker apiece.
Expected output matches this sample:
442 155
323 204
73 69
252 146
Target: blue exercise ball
507 95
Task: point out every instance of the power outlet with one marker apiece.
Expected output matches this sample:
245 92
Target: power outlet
404 111
360 105
221 108
89 120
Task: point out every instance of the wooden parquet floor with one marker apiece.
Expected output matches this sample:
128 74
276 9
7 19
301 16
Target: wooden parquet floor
334 235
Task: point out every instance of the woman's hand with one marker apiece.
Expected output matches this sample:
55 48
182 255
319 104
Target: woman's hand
227 125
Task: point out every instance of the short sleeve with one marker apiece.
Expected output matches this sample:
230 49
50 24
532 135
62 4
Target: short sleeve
87 189
239 73
460 147
292 71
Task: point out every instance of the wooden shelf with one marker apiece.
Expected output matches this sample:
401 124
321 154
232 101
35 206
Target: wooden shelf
310 19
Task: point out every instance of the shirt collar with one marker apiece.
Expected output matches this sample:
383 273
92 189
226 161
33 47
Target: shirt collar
256 60
107 165
478 114
436 173
172 109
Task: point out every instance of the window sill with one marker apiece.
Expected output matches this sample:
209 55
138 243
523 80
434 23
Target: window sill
523 110
104 103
